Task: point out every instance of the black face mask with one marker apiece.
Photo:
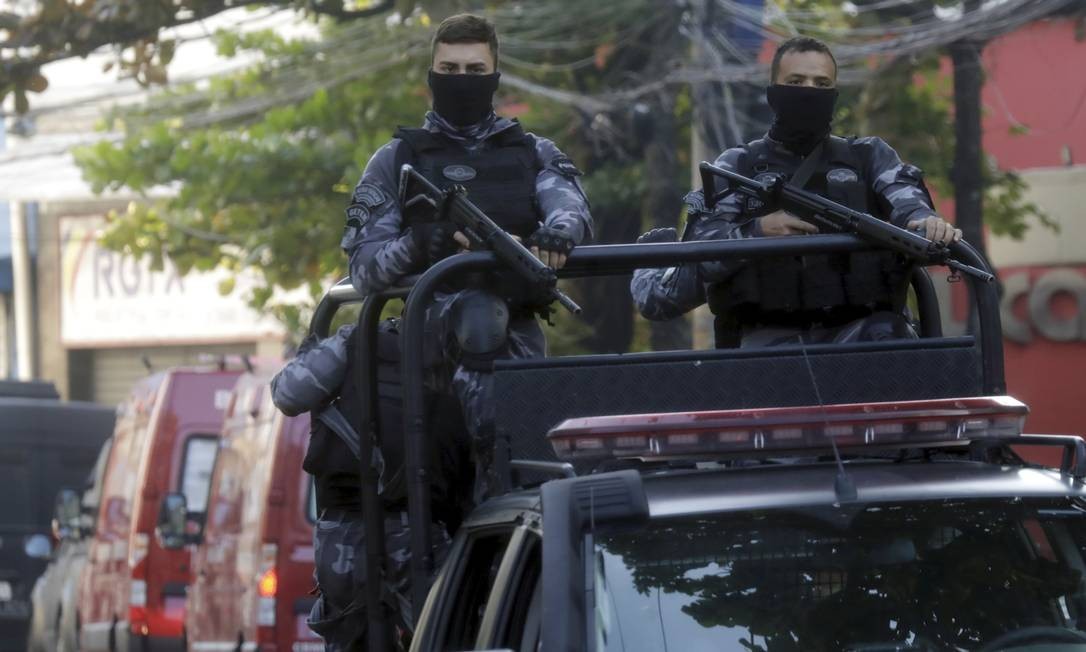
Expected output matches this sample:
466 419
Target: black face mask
802 115
463 100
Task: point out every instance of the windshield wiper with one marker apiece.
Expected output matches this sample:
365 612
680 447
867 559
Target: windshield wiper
889 646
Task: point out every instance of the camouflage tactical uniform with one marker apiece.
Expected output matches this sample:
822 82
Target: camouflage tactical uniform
381 252
662 294
309 383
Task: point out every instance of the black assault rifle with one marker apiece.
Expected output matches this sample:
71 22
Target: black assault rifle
454 206
828 215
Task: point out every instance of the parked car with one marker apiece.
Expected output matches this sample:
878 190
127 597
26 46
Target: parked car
53 600
45 444
132 596
253 570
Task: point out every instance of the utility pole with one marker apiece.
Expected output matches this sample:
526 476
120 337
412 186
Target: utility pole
664 187
5 340
23 299
967 172
663 202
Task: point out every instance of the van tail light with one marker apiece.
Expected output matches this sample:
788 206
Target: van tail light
137 552
269 583
267 586
953 421
137 588
137 608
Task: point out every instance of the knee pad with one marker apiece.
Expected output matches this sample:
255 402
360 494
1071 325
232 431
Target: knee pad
480 324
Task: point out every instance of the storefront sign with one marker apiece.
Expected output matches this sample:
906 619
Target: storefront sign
1042 295
108 299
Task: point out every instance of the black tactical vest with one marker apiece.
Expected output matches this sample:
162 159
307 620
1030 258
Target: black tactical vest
327 457
801 291
334 466
499 176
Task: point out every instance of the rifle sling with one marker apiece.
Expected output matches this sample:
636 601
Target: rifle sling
807 167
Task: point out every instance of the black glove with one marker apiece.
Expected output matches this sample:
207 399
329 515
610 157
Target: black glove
551 239
667 234
434 240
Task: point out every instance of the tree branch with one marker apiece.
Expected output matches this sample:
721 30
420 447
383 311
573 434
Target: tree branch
339 13
64 39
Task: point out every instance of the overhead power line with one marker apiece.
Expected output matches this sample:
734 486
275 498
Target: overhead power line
537 40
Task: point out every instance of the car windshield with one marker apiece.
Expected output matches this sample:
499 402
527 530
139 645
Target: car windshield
945 575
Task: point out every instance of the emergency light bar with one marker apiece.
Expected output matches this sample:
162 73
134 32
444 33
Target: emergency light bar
698 434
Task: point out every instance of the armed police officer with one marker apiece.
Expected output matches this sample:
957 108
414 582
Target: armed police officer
526 185
520 180
820 298
321 380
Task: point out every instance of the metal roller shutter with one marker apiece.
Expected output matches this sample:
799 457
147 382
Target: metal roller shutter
114 371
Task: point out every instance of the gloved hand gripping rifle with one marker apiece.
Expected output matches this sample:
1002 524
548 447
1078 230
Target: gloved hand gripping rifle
828 215
454 206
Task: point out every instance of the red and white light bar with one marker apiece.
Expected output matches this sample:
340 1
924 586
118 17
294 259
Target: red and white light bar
697 434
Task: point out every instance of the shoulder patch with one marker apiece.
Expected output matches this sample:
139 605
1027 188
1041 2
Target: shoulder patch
565 166
841 175
369 195
357 216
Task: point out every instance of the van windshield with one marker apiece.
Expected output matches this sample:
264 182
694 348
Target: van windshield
942 575
196 471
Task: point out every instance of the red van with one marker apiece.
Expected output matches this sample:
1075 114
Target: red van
132 595
253 570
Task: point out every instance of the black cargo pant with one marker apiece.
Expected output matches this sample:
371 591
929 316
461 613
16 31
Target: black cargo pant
339 551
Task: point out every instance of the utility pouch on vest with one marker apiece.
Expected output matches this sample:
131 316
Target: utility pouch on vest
822 281
779 283
814 288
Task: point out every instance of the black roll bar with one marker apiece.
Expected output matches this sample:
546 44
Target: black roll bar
602 260
927 303
378 633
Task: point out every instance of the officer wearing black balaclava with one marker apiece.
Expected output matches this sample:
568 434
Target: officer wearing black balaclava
821 298
532 190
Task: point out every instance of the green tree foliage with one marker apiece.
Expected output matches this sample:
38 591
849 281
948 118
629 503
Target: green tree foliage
910 104
262 191
38 32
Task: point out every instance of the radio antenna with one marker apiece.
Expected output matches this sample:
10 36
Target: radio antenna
843 486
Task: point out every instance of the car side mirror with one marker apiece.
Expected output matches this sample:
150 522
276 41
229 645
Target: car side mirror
172 518
66 515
